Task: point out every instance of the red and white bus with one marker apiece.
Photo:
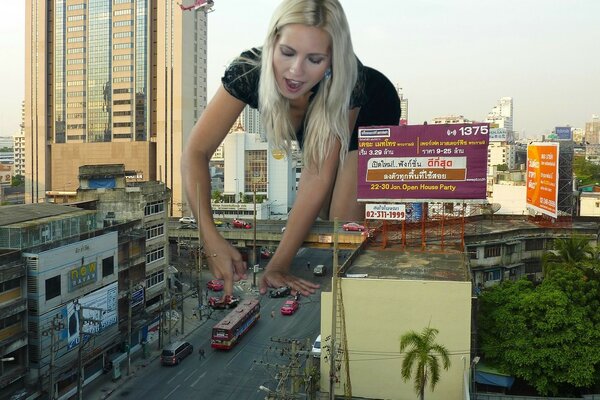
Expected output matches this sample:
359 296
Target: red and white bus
230 329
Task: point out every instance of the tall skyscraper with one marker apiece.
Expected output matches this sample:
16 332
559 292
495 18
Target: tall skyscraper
501 115
109 82
592 130
403 106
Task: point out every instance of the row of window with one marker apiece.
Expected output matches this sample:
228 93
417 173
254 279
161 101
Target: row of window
155 255
155 231
155 279
11 284
495 250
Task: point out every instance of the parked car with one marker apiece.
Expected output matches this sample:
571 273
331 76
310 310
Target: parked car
187 220
240 223
316 347
280 292
220 303
175 352
215 285
265 253
320 270
218 222
353 226
289 307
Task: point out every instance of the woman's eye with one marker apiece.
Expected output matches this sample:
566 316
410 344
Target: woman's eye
315 60
287 53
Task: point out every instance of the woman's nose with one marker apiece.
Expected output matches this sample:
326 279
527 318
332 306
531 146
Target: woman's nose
296 67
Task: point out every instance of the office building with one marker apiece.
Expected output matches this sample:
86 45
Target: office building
110 82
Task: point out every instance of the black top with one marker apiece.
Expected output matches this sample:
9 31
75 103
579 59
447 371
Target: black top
373 93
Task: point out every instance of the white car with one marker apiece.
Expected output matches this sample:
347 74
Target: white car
316 347
187 220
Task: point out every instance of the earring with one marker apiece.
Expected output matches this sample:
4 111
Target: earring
328 73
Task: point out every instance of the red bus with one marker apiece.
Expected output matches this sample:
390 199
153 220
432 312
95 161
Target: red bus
230 329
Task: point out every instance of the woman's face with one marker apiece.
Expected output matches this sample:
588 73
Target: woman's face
301 56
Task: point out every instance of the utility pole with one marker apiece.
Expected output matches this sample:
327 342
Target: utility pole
79 309
129 301
57 325
334 299
254 261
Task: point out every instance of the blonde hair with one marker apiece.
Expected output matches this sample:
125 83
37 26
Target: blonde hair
327 115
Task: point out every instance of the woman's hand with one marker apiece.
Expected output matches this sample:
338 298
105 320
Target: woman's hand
277 278
225 262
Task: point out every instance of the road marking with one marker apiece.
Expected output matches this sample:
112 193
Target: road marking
198 380
172 391
177 374
190 375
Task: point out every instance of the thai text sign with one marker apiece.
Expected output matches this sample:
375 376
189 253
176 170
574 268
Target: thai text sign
423 162
542 177
385 211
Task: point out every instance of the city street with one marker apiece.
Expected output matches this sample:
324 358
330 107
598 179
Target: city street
258 358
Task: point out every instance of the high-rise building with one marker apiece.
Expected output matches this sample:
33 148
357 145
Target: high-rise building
501 115
251 121
107 82
592 130
403 106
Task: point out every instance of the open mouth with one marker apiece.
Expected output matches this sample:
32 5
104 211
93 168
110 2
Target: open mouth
292 85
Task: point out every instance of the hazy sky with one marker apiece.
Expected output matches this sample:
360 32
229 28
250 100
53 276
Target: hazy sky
449 56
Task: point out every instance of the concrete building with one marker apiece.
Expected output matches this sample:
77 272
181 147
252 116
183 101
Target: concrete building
127 89
501 114
19 153
250 166
592 131
110 253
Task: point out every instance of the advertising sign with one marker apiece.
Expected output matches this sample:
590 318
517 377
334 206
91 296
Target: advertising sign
385 211
542 177
498 134
6 171
563 133
422 162
100 305
82 275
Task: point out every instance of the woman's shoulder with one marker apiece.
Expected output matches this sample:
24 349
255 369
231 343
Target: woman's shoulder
242 76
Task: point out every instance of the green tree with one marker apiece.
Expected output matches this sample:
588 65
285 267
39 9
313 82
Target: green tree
547 334
573 252
17 180
217 196
422 355
587 172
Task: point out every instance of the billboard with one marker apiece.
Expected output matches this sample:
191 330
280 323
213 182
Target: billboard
6 172
542 177
100 305
498 135
563 133
418 163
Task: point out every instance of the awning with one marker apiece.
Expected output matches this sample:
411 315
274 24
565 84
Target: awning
485 375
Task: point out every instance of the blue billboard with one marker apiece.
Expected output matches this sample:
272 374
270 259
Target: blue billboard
563 133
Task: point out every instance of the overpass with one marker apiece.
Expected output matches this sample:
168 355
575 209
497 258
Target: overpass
268 234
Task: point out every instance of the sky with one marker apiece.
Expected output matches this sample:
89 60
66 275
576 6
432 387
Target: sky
450 57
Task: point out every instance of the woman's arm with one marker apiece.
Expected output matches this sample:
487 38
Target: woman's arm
314 190
224 260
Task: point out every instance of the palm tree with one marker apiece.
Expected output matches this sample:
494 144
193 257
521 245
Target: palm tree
423 355
572 252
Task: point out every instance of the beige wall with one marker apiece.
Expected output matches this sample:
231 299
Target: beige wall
68 157
378 312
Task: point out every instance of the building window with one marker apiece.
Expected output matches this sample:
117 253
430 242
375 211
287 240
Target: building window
155 255
52 287
8 285
534 244
154 208
155 279
155 231
108 266
492 251
492 275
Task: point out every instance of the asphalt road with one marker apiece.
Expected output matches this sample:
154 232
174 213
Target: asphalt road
254 362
